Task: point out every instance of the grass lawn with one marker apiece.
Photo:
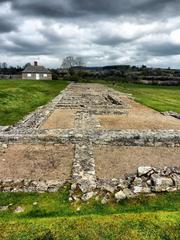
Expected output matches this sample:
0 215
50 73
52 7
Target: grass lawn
53 217
19 97
160 98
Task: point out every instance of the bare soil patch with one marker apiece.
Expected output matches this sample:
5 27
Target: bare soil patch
139 117
60 119
37 162
114 162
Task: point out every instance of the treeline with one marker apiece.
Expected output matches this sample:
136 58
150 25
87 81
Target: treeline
122 73
9 70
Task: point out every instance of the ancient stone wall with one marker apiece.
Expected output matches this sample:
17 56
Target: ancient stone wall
86 134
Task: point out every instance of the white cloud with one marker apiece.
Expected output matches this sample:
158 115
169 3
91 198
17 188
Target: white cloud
175 36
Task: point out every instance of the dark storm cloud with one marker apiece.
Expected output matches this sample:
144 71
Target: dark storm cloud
25 47
78 8
41 8
27 50
6 25
107 39
122 7
111 40
52 36
161 49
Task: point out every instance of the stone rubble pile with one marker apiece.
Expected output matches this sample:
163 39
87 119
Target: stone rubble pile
147 180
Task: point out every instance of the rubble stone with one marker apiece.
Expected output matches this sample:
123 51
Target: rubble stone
128 192
87 196
145 170
120 196
176 179
161 184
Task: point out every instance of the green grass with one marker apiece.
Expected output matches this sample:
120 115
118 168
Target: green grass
19 97
55 218
160 98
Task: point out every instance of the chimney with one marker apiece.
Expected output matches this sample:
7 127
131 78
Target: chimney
35 63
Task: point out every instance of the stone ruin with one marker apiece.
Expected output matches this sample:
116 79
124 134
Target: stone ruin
86 101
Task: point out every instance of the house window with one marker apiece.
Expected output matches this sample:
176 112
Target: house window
45 75
29 74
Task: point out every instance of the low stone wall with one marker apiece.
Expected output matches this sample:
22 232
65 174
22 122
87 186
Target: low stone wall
168 138
27 185
147 180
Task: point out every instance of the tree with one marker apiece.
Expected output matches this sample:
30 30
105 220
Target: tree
70 62
79 62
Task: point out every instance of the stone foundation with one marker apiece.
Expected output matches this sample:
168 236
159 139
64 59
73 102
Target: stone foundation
87 101
147 180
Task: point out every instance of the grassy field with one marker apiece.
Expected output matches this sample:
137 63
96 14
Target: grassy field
160 98
18 98
53 217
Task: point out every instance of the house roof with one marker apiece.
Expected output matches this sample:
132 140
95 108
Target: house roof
35 69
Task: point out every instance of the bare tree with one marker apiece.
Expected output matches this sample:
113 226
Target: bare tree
71 61
79 62
68 62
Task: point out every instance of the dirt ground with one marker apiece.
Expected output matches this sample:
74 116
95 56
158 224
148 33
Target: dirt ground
44 162
60 119
139 117
114 162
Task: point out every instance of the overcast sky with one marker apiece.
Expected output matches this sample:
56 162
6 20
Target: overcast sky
103 32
